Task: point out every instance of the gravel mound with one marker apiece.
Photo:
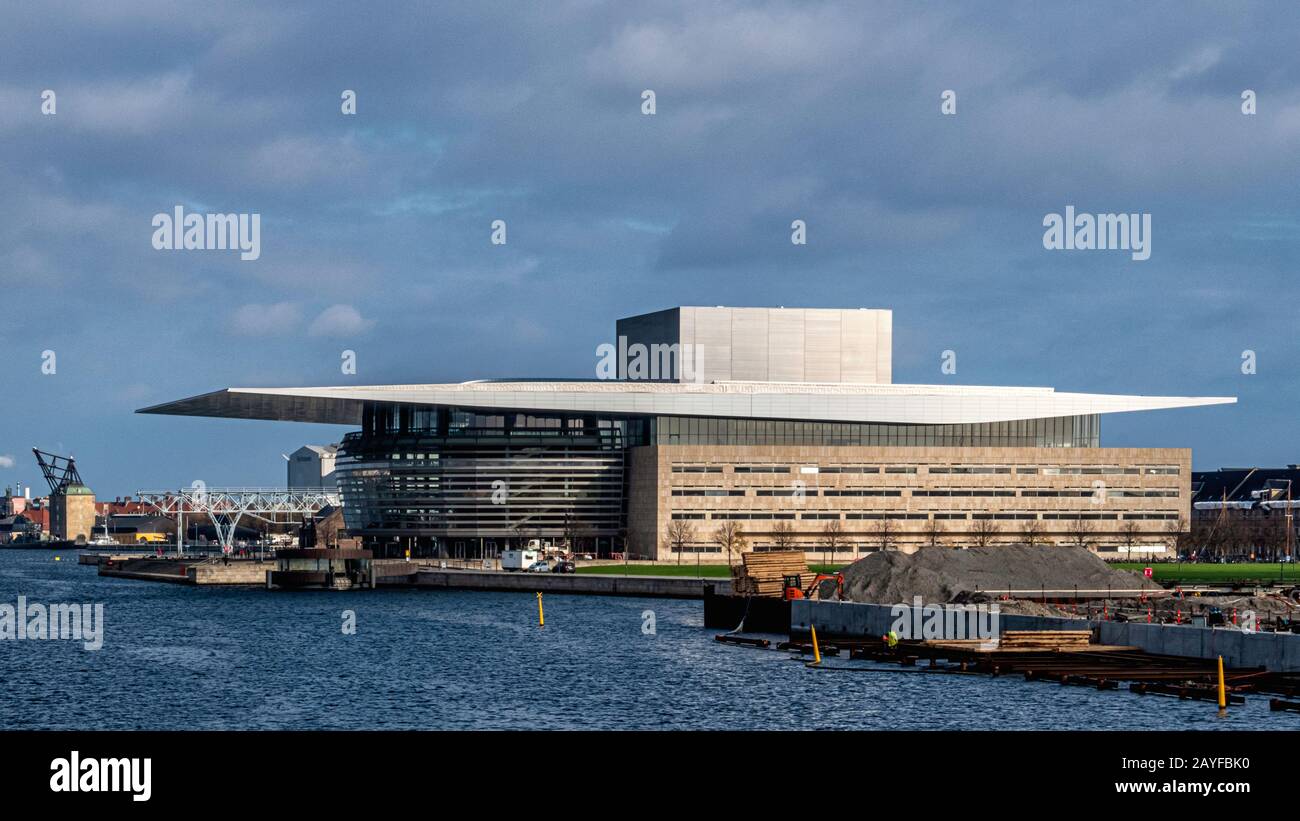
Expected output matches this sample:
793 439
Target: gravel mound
945 575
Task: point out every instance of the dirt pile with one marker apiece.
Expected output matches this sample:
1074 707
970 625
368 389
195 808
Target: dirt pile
1264 606
945 575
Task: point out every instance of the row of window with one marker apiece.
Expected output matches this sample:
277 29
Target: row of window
972 470
851 548
1113 493
1070 470
719 516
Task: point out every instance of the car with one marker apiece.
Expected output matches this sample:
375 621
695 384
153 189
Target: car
564 566
539 567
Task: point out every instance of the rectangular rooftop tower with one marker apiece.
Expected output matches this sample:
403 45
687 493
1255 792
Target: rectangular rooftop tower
768 344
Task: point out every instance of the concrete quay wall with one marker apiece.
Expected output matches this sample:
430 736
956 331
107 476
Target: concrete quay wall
835 619
664 587
186 572
1277 652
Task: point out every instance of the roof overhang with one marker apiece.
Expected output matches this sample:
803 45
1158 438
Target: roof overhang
895 404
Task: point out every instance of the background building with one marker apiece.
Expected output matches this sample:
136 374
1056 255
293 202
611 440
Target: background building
18 528
1244 512
792 435
71 502
72 513
312 466
15 502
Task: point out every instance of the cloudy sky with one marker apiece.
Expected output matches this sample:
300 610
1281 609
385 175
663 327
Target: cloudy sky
375 229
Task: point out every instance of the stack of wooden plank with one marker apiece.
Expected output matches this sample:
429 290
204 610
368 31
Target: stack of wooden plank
1045 639
1024 641
763 574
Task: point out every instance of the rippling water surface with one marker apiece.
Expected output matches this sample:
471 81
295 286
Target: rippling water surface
185 657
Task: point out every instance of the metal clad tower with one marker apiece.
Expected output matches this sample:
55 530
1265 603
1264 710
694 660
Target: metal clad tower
793 345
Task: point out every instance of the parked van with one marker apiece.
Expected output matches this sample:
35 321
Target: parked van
518 559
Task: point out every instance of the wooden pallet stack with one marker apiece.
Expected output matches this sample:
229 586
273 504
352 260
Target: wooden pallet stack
1045 639
1024 641
763 574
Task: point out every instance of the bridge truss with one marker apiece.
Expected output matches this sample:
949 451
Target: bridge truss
225 507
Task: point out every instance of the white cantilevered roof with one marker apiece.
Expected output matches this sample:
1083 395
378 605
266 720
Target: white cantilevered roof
915 404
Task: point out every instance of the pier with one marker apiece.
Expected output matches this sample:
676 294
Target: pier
391 573
1275 652
665 587
191 571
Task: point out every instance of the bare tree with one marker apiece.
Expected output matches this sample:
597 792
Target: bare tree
1240 536
883 533
680 533
984 532
832 538
1032 532
783 536
1180 535
1080 532
1128 534
729 537
1209 537
572 530
1272 536
934 533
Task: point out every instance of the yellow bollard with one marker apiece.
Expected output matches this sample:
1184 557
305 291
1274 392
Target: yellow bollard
1223 694
541 615
817 653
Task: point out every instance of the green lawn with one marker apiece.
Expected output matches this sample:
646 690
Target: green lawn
707 571
1195 573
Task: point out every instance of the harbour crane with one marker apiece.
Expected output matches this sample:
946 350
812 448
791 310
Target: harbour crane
60 471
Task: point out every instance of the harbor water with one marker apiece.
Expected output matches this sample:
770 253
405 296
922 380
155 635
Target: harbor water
178 657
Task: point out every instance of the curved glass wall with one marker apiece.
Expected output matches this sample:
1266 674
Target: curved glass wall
463 484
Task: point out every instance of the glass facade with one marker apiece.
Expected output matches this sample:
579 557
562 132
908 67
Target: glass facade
465 483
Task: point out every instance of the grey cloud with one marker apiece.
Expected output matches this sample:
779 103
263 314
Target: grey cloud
767 112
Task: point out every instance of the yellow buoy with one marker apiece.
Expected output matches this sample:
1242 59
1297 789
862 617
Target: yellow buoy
541 615
56 558
817 653
1223 695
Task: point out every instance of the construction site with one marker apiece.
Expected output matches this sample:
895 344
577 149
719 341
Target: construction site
1058 615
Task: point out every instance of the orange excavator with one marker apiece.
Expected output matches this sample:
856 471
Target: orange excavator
794 588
